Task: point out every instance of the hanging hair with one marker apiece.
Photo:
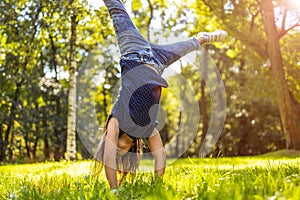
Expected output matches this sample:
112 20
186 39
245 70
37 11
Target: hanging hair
127 163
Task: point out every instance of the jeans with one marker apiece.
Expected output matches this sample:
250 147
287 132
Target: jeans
134 46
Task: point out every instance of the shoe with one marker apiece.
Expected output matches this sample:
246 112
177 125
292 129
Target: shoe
216 36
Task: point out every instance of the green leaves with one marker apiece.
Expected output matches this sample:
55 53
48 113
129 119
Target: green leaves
136 5
34 54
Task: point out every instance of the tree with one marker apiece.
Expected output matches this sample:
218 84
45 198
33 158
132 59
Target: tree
19 65
247 21
34 58
71 130
288 106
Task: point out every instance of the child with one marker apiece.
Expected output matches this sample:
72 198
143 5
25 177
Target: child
133 116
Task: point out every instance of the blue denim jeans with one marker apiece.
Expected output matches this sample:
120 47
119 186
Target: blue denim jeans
134 46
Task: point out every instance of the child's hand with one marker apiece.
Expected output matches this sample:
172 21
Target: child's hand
114 191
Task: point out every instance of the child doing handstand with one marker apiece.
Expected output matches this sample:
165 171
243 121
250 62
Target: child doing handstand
134 113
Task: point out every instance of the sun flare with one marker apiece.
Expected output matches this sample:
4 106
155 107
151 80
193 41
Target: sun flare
294 4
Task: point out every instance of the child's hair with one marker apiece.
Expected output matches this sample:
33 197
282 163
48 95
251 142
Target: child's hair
127 163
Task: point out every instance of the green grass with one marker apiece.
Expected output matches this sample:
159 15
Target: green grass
223 178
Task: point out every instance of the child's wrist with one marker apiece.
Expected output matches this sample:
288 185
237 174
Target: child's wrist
113 191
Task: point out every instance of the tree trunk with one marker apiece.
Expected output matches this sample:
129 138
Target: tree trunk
57 130
71 133
150 18
46 147
27 145
57 155
2 149
203 106
204 114
37 131
35 146
9 131
177 148
287 107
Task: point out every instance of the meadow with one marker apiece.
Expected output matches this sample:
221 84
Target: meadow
266 177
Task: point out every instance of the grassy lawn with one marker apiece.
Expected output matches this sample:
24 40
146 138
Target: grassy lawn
266 177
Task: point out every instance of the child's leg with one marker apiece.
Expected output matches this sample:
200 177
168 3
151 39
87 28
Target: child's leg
128 37
168 54
130 40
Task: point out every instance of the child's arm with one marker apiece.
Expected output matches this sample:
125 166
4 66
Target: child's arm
158 152
110 153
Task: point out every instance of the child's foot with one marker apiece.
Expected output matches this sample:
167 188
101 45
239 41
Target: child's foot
210 37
